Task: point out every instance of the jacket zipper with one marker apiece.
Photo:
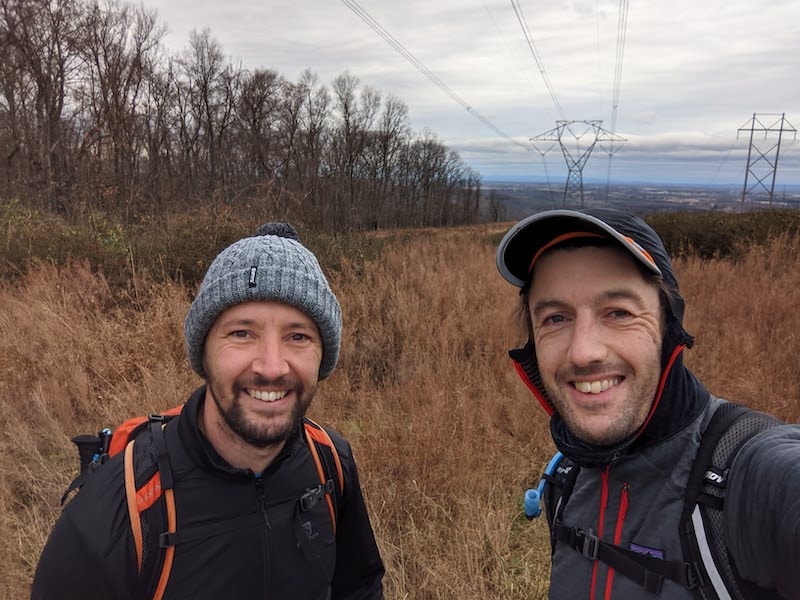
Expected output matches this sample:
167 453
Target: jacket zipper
601 519
262 503
623 511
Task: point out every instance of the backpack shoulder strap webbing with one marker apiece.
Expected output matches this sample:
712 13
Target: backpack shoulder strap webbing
559 488
328 466
557 492
702 523
149 491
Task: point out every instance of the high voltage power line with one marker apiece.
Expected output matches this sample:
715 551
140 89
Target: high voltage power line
405 53
526 32
622 26
563 124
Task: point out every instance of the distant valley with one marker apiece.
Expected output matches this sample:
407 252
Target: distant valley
510 200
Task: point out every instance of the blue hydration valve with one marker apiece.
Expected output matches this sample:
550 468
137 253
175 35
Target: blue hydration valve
533 497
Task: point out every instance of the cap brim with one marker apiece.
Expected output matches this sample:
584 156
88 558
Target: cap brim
526 238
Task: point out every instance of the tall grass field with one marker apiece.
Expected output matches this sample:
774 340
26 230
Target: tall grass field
446 436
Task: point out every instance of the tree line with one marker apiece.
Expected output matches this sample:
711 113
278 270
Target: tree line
95 115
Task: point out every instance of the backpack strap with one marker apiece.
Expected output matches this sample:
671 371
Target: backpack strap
557 493
329 470
149 491
702 521
648 571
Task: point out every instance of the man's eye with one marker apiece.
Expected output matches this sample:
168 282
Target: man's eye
619 313
239 333
299 337
553 320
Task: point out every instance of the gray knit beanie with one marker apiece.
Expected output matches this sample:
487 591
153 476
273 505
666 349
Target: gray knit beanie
272 265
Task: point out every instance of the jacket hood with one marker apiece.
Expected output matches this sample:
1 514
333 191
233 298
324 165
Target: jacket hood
680 396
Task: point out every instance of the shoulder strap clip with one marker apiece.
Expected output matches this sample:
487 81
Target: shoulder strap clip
314 495
591 544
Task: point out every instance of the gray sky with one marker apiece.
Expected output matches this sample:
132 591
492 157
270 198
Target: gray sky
692 73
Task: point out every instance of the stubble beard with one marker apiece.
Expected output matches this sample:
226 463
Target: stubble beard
250 431
630 417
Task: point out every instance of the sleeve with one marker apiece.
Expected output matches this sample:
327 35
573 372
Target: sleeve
762 510
359 568
89 553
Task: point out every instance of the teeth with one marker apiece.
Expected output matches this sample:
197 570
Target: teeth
595 387
267 396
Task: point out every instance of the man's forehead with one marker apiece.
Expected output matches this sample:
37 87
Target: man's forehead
561 263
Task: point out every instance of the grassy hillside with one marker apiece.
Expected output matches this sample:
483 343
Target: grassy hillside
446 436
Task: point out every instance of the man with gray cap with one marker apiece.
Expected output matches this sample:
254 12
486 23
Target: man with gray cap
636 504
254 518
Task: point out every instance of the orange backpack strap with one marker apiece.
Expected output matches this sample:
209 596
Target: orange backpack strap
323 452
149 487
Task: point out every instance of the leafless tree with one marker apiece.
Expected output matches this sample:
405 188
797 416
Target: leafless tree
119 43
208 89
41 37
258 110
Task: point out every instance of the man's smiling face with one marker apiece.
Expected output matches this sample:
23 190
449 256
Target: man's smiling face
597 331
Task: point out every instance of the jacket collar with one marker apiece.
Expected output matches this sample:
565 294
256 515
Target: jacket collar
680 397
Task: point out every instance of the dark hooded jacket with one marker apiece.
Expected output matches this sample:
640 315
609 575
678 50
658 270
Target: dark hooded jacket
631 494
249 547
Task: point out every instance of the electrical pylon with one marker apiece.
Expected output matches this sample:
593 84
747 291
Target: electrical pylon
763 151
576 157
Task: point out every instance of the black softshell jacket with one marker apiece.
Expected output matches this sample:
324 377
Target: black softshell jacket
631 494
251 549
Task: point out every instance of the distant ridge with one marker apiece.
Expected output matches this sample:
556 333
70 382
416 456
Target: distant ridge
519 199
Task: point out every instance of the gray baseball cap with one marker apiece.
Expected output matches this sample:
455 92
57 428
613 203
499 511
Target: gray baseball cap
524 242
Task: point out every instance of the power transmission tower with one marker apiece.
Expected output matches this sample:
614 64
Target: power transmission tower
760 161
569 135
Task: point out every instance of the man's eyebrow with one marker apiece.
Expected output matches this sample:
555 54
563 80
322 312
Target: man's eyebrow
236 321
301 325
621 294
548 304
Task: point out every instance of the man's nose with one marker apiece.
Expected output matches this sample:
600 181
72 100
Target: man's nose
588 344
270 360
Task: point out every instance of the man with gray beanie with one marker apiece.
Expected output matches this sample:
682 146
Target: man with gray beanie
249 498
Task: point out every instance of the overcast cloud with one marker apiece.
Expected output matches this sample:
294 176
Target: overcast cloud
692 74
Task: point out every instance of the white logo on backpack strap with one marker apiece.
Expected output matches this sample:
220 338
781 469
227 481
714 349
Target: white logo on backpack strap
715 477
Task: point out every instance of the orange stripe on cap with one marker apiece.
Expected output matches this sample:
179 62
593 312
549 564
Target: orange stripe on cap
563 238
636 245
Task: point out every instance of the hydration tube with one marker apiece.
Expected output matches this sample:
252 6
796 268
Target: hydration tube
532 499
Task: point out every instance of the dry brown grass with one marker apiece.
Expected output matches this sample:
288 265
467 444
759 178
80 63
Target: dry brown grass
446 436
746 320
